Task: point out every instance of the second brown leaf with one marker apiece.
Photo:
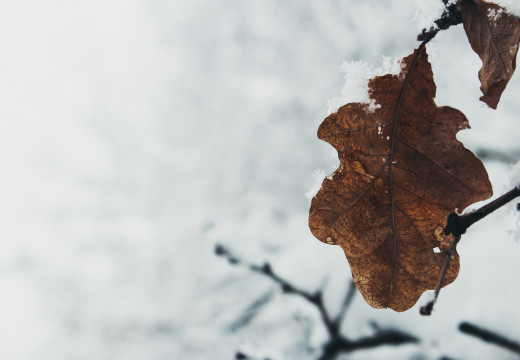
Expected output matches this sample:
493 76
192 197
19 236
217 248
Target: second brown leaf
402 172
494 35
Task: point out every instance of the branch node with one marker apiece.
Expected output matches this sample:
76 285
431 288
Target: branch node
266 268
286 288
455 225
220 250
241 356
426 310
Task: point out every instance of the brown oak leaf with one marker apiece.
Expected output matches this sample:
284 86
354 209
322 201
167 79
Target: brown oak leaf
494 35
401 173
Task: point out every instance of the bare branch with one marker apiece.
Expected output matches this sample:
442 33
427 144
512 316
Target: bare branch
316 298
337 343
427 309
349 296
458 224
489 336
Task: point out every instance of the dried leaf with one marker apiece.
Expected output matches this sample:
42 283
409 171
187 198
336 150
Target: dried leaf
401 173
494 35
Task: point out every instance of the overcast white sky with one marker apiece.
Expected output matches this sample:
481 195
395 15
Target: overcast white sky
137 134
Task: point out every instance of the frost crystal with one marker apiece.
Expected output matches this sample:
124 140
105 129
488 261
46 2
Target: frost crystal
511 6
494 15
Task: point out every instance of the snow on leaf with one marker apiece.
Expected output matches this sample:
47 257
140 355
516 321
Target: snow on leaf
357 74
389 199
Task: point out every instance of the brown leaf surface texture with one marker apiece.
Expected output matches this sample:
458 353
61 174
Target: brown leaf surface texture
494 35
401 173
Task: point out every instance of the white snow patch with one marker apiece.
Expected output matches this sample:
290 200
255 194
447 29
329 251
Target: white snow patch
427 12
357 75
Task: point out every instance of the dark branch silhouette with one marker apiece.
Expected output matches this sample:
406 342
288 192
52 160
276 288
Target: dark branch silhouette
450 16
243 356
428 308
457 225
337 343
250 312
489 336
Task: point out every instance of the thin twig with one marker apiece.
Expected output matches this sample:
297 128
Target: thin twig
349 296
490 336
458 224
427 309
315 299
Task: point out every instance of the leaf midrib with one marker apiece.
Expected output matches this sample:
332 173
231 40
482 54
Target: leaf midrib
393 137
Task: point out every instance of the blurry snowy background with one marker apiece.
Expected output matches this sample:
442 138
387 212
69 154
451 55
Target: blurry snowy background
136 135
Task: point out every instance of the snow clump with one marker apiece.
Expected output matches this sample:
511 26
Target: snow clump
357 75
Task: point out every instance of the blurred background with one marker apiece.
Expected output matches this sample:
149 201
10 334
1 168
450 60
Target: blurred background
137 135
